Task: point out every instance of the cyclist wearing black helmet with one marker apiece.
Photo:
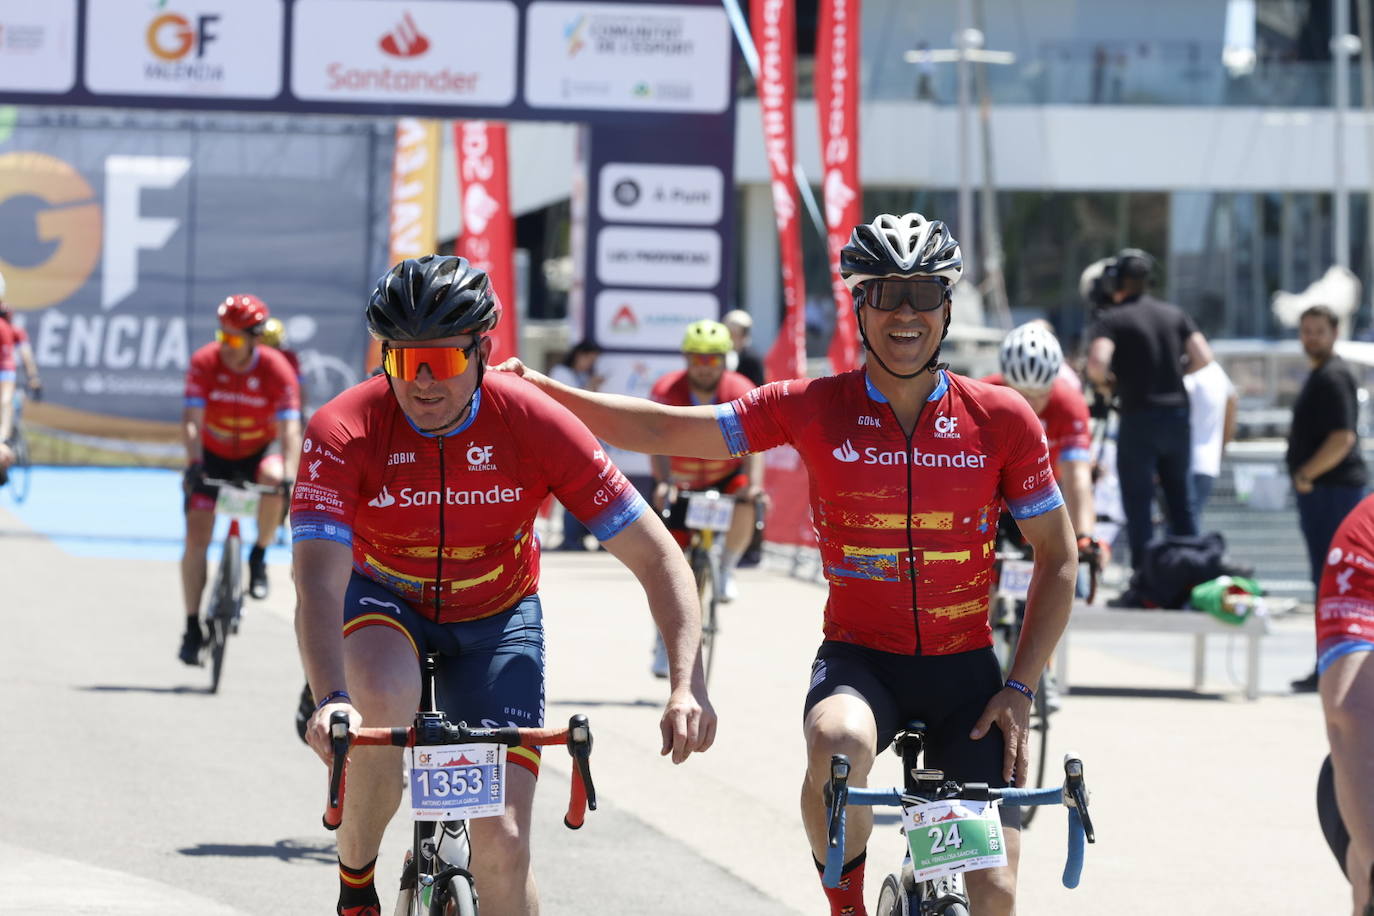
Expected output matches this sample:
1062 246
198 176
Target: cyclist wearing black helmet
909 465
414 522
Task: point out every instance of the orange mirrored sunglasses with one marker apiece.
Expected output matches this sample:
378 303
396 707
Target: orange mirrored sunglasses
230 338
705 359
443 362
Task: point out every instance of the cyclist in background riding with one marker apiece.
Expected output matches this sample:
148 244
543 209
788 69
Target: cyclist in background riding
910 465
418 536
705 380
22 348
7 373
1345 666
239 398
1031 360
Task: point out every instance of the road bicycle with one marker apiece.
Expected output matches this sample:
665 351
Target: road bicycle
708 517
223 612
951 828
454 773
20 472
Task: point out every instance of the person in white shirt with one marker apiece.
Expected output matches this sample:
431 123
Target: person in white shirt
1212 401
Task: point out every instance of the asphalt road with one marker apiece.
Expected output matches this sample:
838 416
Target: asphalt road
130 790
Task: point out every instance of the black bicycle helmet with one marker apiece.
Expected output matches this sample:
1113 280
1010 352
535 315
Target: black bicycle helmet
901 246
431 297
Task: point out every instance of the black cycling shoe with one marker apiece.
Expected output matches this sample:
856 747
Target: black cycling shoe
257 576
1306 684
191 641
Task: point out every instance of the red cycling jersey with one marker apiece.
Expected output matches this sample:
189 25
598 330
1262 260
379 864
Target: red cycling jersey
674 390
241 408
1067 425
370 479
1345 601
905 525
7 342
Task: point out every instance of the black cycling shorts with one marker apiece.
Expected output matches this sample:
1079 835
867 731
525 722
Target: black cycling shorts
946 692
244 470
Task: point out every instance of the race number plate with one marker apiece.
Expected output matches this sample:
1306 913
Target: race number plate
709 511
1016 576
236 502
455 781
954 835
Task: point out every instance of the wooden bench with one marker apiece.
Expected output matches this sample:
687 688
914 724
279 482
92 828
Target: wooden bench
1200 625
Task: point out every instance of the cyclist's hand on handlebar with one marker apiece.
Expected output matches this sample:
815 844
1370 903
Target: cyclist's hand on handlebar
688 723
1094 551
6 456
287 486
35 389
317 730
1009 710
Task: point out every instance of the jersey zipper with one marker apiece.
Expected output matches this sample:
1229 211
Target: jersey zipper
910 504
439 555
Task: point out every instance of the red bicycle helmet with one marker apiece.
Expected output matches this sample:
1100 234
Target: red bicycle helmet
243 312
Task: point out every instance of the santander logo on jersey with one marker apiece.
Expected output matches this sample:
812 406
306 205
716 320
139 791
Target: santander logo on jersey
382 499
846 452
917 458
408 497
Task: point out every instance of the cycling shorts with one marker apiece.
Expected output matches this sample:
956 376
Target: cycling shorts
241 469
490 671
946 692
675 515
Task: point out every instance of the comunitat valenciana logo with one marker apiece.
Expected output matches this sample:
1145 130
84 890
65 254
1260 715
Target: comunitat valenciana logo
575 33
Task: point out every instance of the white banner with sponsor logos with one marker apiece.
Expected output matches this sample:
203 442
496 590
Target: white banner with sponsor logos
38 45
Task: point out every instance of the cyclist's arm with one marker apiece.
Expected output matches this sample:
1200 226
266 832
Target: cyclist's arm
1228 427
1347 691
1076 483
648 551
30 366
1050 596
289 431
321 569
753 468
192 421
636 424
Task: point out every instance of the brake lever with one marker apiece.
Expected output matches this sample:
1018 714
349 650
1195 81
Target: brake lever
1076 792
838 791
580 747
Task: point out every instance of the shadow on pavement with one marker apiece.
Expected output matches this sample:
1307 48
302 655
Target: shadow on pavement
622 703
94 538
318 851
1144 693
136 688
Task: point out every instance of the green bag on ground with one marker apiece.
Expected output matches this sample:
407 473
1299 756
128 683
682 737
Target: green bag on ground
1228 598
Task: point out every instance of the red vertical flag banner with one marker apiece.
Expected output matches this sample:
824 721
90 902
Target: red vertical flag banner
774 27
837 110
488 239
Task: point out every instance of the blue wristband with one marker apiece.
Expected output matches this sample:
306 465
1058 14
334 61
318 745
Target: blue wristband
331 697
1019 687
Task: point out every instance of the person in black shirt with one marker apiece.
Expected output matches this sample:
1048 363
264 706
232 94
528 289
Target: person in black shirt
1143 347
747 362
1323 458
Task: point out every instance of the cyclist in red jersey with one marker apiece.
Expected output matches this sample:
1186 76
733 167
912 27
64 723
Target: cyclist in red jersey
1031 360
23 351
7 376
909 465
1345 666
240 397
418 534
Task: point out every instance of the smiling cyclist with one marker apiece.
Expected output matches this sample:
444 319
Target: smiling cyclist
910 465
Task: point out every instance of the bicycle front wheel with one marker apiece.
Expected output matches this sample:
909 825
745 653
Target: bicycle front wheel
893 899
460 899
704 571
19 472
226 598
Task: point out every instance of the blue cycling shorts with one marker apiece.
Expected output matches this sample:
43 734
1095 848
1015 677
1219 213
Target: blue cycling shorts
490 672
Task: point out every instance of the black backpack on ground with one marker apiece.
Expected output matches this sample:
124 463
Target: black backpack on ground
1172 566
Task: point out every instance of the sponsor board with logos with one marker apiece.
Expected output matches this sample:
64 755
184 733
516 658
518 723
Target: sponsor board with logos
38 45
192 47
631 56
633 192
649 319
644 256
382 51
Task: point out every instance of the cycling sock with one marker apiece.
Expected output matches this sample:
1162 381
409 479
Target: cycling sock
257 555
192 623
848 898
356 891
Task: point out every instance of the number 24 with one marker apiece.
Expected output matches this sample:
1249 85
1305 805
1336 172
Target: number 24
944 839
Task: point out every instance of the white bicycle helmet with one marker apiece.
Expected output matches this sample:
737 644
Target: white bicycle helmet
1030 357
901 246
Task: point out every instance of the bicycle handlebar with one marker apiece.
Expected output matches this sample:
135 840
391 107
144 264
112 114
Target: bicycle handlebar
249 485
577 736
1073 794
